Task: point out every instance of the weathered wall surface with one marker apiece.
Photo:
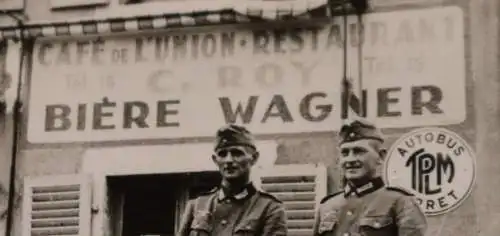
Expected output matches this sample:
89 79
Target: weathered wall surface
484 35
478 215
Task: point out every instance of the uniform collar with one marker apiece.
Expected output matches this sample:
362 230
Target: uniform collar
372 185
247 191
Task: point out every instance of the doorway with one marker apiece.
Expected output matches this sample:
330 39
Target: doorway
152 205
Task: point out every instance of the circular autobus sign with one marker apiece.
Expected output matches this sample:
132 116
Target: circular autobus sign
436 165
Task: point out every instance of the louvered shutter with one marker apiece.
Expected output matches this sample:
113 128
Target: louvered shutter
57 205
300 187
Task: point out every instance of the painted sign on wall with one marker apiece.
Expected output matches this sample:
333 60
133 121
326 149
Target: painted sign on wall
185 84
435 164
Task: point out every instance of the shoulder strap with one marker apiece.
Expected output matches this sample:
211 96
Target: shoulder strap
327 197
270 196
399 190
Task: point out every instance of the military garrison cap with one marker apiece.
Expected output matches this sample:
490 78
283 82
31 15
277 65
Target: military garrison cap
233 135
359 129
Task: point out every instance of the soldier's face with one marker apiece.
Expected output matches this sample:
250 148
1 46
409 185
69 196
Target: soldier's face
360 159
235 162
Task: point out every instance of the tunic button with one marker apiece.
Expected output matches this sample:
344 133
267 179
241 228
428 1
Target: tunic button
223 222
349 213
377 225
346 234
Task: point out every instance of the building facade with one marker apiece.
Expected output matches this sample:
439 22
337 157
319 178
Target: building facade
121 100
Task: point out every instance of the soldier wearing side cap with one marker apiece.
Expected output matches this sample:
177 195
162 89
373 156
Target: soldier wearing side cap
366 206
236 207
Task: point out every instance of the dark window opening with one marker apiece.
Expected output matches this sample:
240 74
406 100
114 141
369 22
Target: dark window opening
149 204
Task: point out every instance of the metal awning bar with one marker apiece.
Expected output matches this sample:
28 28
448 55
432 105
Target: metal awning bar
275 10
176 16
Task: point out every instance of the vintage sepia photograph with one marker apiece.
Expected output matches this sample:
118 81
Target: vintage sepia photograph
249 117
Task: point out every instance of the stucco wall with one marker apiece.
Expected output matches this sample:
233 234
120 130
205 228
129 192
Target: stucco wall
484 35
478 215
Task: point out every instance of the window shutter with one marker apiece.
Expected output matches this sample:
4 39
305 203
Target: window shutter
300 187
57 205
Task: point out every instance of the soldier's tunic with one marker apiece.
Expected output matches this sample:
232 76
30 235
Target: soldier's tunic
370 210
250 212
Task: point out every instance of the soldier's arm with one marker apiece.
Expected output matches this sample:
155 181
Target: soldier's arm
275 220
187 218
410 219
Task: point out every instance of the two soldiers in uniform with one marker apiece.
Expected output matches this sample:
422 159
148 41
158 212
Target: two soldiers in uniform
365 207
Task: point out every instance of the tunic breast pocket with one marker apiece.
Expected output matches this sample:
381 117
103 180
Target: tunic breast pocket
376 226
201 225
327 223
247 227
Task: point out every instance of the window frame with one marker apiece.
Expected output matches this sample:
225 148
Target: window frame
122 161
